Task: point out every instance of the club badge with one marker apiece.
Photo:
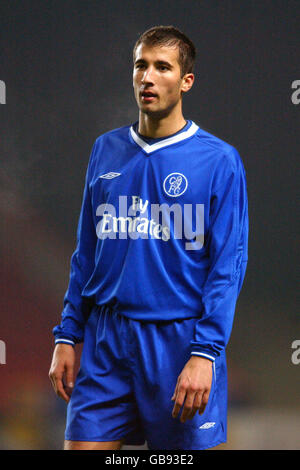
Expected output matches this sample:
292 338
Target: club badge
175 184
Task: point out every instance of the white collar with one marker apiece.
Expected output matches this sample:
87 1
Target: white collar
165 142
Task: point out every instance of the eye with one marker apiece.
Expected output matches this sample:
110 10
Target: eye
140 66
163 68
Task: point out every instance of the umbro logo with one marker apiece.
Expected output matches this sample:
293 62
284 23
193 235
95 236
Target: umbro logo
110 175
207 425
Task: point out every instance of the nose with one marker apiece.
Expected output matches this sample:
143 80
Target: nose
148 75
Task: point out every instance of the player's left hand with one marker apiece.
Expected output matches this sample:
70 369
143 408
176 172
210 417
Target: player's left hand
192 388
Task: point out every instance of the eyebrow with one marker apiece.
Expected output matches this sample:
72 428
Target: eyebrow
157 62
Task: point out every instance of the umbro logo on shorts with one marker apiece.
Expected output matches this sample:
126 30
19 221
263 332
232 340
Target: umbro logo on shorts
207 425
110 175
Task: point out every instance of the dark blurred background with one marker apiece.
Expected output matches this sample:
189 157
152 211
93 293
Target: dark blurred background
67 67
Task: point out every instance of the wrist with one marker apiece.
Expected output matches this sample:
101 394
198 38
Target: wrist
63 345
200 360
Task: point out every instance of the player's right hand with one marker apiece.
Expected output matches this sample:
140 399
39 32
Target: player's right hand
61 371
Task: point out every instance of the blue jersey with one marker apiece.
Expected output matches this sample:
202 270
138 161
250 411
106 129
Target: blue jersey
162 234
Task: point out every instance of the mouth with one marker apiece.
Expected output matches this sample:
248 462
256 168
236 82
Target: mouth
148 96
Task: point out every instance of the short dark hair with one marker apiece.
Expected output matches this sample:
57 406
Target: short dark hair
170 36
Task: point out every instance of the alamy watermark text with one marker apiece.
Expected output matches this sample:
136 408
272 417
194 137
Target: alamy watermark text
2 92
295 96
2 352
295 358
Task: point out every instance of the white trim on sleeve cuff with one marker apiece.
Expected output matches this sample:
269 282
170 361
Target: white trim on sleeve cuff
196 353
62 340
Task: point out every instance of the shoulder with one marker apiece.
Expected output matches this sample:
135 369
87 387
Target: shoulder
223 153
107 143
113 134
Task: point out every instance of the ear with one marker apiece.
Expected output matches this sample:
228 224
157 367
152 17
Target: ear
187 82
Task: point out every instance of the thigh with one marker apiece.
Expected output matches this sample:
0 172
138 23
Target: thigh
86 445
162 350
102 407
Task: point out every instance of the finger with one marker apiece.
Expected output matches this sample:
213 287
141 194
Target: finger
69 380
175 391
53 382
57 383
61 392
204 402
196 405
188 406
180 397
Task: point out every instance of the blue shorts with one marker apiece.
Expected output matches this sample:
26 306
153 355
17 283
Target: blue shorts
127 376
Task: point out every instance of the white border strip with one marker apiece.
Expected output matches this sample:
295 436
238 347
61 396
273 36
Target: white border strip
165 142
204 355
60 340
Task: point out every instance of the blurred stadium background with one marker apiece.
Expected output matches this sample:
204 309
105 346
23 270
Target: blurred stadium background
67 70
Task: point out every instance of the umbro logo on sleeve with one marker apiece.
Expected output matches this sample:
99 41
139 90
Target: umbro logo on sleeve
110 175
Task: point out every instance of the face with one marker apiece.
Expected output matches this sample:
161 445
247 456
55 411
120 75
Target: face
157 81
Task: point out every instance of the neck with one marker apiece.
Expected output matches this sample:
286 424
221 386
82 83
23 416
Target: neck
156 127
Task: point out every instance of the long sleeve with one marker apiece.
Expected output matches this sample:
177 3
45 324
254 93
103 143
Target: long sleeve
76 308
228 252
